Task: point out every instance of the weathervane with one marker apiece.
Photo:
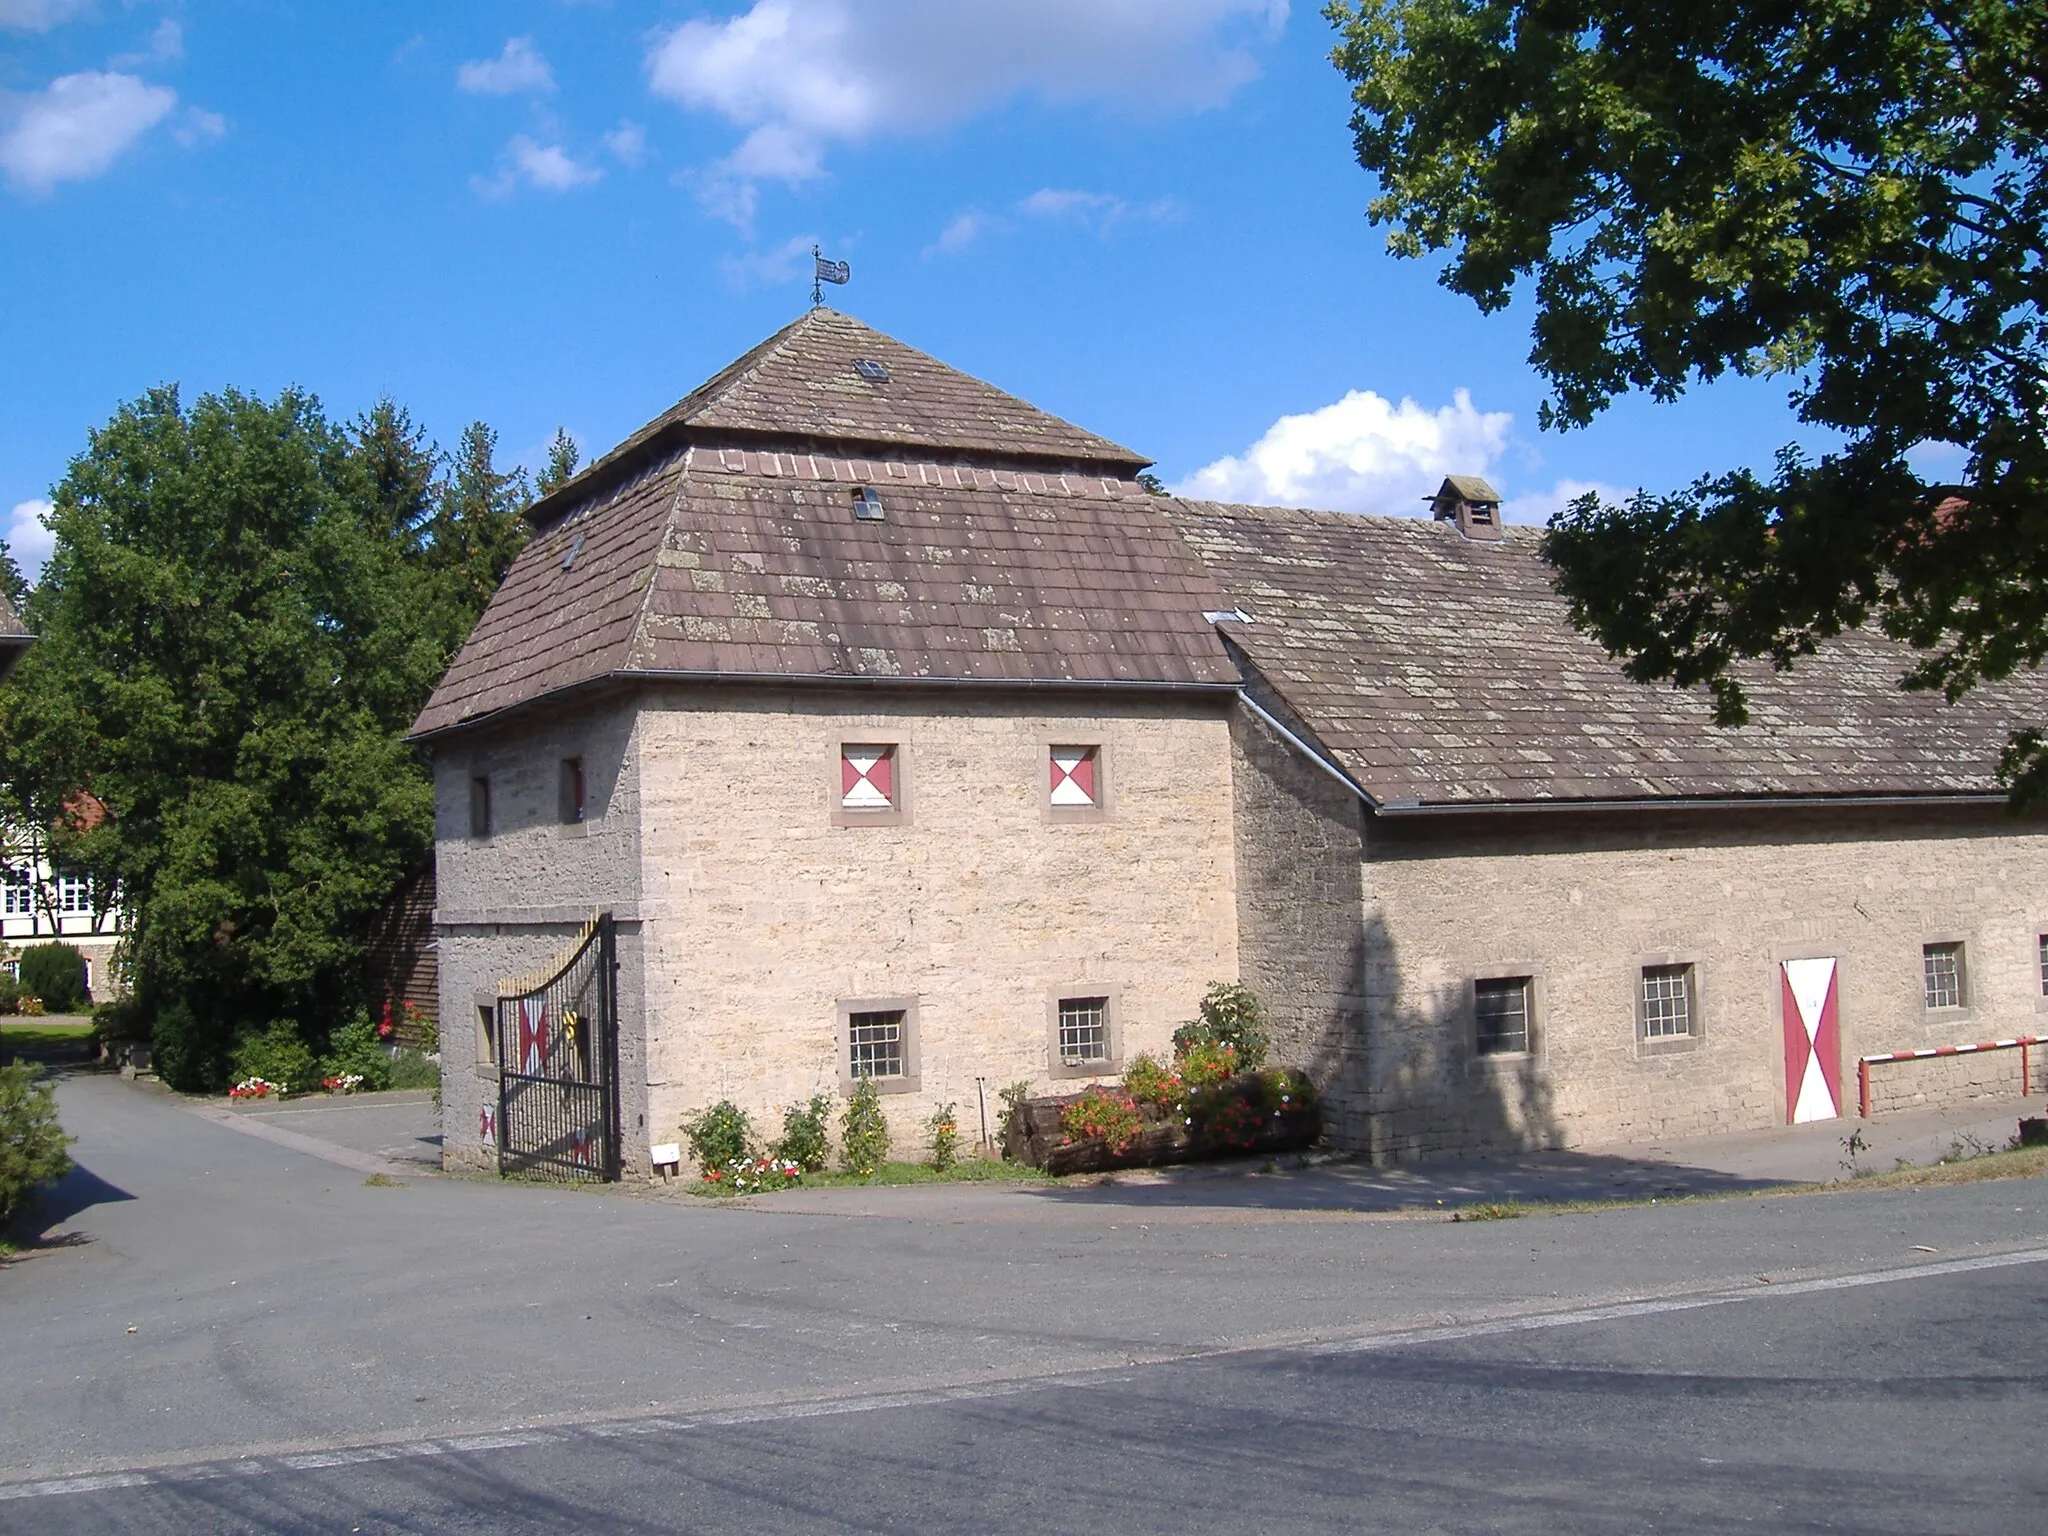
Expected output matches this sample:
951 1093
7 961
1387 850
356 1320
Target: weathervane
822 272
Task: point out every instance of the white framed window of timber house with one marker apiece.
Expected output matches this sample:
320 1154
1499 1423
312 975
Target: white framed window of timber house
871 784
878 1041
1668 1014
1084 1040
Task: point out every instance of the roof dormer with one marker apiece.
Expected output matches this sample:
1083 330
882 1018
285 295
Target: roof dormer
1469 502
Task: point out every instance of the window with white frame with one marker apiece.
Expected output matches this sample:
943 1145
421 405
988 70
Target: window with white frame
1500 1011
74 895
875 1044
19 897
1944 977
1075 778
1084 1031
1668 1004
2044 964
867 778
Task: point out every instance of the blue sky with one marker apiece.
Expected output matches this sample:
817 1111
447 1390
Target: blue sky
1142 215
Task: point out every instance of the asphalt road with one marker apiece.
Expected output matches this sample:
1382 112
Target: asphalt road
311 1353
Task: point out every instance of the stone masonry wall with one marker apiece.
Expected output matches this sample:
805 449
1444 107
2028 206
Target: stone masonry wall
762 916
514 902
1376 1001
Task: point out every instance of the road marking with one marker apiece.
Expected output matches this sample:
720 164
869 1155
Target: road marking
672 1423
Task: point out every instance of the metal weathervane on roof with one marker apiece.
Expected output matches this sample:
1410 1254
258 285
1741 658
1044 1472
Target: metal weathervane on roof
824 271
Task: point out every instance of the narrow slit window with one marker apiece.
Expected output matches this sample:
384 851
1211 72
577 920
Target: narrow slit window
572 789
2044 964
480 806
486 1035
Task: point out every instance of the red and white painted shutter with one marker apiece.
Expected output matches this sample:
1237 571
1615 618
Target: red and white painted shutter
867 778
1813 1042
533 1036
1073 776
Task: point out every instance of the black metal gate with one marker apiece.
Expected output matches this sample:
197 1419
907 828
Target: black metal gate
558 1066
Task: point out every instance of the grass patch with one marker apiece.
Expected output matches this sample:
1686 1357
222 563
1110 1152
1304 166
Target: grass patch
973 1170
384 1181
35 1035
1501 1210
410 1069
2020 1163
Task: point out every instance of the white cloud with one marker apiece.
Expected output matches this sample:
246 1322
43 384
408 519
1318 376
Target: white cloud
518 68
800 75
77 126
1541 506
784 263
197 126
1099 210
963 232
38 15
166 46
1362 454
628 144
27 539
548 167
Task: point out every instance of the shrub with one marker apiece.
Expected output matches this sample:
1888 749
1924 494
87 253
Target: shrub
863 1131
1232 1113
31 1142
412 1069
806 1135
1150 1083
1013 1098
56 974
279 1056
354 1052
719 1136
10 994
944 1127
1102 1114
1232 1015
119 1020
1206 1063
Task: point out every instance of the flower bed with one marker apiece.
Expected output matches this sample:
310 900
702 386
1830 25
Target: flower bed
256 1088
1101 1129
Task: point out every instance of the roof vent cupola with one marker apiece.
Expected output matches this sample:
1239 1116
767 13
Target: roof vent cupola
1469 502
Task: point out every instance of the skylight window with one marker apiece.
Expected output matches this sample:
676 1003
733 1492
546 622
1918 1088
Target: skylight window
871 370
867 504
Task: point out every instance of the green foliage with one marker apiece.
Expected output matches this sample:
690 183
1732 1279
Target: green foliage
1205 1063
13 586
719 1136
55 973
944 1129
1229 1114
863 1131
245 608
278 1055
563 457
1013 1096
10 994
1102 1114
31 1141
353 1050
119 1019
413 1069
806 1135
1149 1082
1844 194
1230 1015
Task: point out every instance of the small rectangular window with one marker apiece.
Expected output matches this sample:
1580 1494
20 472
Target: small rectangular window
21 899
480 806
486 1034
875 1042
2044 965
1074 778
1667 1002
867 778
572 789
74 895
1944 979
1500 1007
1084 1031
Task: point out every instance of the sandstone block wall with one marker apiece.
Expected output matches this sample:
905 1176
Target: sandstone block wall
761 914
1379 1004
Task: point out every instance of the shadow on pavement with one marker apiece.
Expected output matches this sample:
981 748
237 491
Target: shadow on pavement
79 1190
1544 1178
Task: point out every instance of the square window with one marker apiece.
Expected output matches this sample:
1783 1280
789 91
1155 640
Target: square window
1668 1011
876 1044
867 778
1084 1031
1500 1009
1943 977
480 806
572 790
1074 779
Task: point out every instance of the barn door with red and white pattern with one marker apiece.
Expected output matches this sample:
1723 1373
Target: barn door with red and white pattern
1813 1041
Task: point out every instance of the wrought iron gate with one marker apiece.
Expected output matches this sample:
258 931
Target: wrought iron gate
558 1065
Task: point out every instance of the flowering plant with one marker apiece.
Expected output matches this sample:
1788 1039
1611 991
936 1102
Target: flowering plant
1205 1064
1102 1114
1150 1083
256 1088
343 1082
750 1175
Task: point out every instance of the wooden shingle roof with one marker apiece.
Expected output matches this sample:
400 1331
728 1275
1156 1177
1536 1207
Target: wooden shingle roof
1440 670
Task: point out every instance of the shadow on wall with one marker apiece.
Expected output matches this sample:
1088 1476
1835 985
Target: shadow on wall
1401 1074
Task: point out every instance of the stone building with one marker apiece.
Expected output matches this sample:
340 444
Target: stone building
900 730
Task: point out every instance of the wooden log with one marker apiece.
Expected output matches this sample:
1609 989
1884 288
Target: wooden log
1036 1136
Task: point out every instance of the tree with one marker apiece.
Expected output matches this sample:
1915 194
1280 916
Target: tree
1848 194
13 585
477 528
563 457
236 631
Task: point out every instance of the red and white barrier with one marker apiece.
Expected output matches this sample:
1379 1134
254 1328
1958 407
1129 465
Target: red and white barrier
1865 1063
